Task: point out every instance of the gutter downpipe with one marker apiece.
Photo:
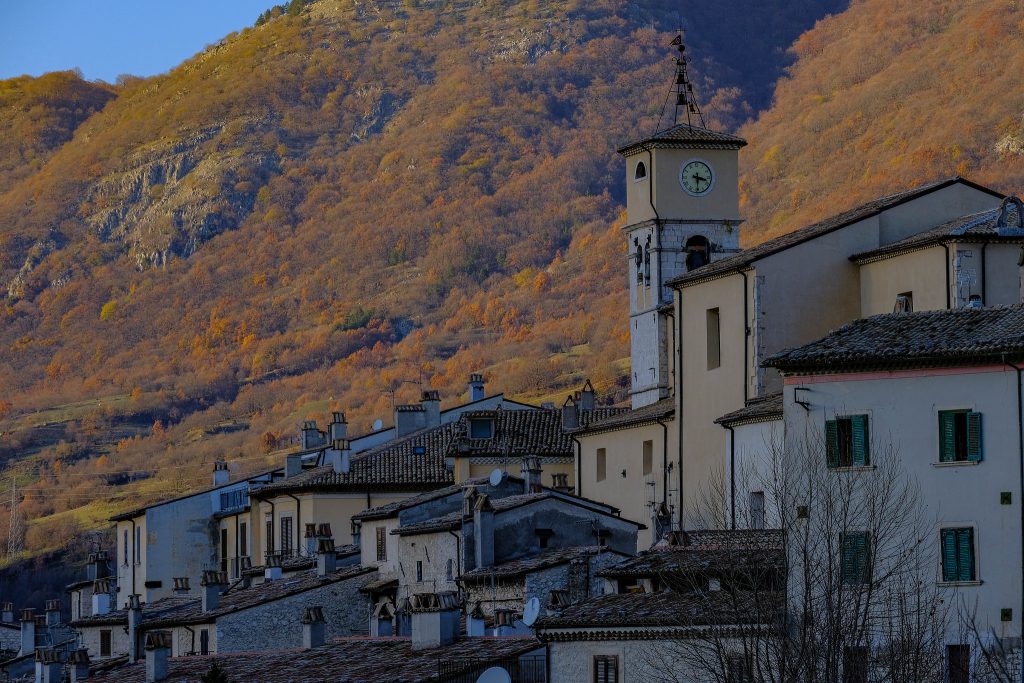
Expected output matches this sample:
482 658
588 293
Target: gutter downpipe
135 551
732 476
746 333
664 463
948 284
1020 446
984 278
298 524
579 465
679 387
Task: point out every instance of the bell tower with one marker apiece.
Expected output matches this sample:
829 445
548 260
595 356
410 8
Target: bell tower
682 203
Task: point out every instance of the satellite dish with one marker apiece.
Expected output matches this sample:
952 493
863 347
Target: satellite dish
494 675
531 611
377 425
496 477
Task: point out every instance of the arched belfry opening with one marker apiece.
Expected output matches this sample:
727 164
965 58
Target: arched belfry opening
641 171
698 252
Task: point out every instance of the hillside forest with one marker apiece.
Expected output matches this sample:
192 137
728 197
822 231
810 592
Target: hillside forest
345 204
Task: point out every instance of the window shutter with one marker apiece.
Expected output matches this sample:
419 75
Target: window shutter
860 440
965 554
947 436
864 558
850 569
832 443
974 443
949 555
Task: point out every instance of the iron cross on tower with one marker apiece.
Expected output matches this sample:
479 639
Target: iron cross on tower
683 88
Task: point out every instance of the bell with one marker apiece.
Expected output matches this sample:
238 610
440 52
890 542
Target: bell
681 100
680 78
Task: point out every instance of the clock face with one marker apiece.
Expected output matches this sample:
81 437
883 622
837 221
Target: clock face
696 178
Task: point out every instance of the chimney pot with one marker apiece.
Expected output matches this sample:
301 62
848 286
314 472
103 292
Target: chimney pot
341 456
587 397
476 387
326 559
52 612
292 465
570 415
78 661
483 532
28 631
158 649
181 585
212 582
221 475
134 621
314 627
338 428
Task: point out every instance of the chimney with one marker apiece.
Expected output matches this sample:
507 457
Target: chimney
134 622
475 624
28 631
974 301
504 622
48 666
435 619
431 402
272 572
483 532
338 429
311 437
181 587
53 612
7 616
469 500
314 627
310 537
476 387
531 471
560 482
101 596
97 567
570 415
78 662
409 419
212 583
221 475
587 398
326 560
382 621
341 456
158 649
292 465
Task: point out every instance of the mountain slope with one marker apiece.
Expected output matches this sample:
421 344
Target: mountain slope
886 95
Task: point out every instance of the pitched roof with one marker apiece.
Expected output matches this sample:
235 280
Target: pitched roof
542 560
516 433
649 414
685 135
188 609
413 462
965 336
981 226
667 609
368 660
745 258
664 561
393 508
760 409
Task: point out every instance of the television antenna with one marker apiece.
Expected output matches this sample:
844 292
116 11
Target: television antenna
496 476
495 674
531 611
378 425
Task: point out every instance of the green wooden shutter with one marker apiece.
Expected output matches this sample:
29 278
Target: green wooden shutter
949 555
861 456
947 436
965 554
864 557
855 554
974 442
832 443
847 568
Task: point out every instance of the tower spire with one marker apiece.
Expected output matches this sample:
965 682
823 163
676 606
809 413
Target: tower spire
681 93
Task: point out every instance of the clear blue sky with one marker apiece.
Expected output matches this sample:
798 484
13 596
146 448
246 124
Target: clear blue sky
105 38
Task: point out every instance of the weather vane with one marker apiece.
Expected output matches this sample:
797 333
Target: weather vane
682 89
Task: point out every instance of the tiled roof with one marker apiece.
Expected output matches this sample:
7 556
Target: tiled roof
684 135
663 409
961 336
393 508
345 660
395 465
542 560
683 561
746 257
661 609
516 433
453 520
757 410
183 610
981 226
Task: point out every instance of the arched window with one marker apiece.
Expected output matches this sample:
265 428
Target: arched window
641 171
698 252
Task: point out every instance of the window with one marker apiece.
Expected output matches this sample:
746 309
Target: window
958 663
481 429
269 540
224 550
602 464
105 643
738 669
382 544
419 570
243 539
124 555
958 554
449 570
714 339
855 665
855 558
648 457
138 545
757 509
641 171
959 436
204 642
698 252
904 303
606 669
286 535
847 441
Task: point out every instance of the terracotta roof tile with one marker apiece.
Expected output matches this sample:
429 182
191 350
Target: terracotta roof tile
684 135
659 609
665 408
756 410
961 336
542 560
516 433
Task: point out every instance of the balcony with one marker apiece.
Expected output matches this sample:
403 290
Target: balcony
234 500
530 669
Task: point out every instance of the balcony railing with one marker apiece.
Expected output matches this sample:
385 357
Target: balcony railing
233 500
531 669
